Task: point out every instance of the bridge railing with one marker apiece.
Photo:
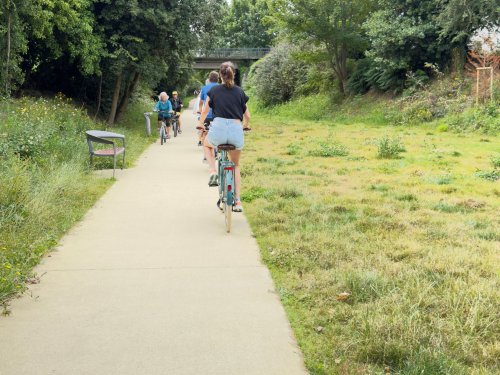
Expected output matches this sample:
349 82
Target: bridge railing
233 53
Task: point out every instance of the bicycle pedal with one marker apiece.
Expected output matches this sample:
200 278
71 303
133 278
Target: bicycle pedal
218 205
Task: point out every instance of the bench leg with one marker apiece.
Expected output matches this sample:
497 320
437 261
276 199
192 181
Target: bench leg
123 161
114 165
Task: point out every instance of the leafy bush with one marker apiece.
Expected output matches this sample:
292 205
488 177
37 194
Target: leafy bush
314 107
443 97
495 160
276 77
493 175
390 148
328 150
368 74
485 119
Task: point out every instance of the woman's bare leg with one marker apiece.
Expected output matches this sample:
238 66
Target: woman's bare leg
209 154
235 158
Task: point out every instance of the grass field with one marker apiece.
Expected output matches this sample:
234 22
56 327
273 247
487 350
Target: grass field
46 183
383 241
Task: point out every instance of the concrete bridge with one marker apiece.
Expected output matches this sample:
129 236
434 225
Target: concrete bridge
211 59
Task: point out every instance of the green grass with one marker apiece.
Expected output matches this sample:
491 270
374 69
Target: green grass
46 182
413 240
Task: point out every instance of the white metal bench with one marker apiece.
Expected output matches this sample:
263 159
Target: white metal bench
103 137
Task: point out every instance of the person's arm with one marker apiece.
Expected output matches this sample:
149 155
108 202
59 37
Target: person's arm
200 105
204 114
246 118
202 101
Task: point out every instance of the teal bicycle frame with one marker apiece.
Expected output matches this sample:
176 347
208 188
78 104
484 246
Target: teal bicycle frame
226 186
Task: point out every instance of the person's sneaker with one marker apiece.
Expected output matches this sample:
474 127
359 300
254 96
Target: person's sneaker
204 160
213 180
180 131
238 207
168 137
199 143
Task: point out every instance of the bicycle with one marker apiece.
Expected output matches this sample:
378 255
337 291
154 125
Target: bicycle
227 182
226 172
163 129
175 124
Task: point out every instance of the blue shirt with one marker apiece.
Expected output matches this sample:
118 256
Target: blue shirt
164 107
203 96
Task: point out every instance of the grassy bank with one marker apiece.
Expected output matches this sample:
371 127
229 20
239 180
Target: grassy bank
46 183
383 241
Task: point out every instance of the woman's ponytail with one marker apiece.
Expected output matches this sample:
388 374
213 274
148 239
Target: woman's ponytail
227 72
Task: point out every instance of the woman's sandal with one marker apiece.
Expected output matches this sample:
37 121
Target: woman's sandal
213 180
237 206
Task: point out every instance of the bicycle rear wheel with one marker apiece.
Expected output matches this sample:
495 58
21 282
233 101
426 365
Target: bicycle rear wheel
228 199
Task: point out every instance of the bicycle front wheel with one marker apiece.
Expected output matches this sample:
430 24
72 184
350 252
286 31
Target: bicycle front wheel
163 136
175 126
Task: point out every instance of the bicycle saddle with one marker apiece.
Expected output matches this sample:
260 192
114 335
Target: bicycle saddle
226 147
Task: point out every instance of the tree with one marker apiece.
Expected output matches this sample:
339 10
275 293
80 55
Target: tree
147 41
244 24
458 20
40 32
404 37
334 27
13 44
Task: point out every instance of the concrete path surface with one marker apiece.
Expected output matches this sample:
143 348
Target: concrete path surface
150 283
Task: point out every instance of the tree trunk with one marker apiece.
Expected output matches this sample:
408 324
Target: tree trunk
126 97
114 102
340 77
458 59
99 94
7 62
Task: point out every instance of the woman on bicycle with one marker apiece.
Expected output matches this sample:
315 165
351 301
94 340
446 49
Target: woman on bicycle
164 109
228 103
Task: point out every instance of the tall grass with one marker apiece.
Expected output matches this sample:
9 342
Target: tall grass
46 183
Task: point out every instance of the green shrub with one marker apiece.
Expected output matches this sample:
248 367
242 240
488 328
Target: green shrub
485 119
314 107
442 128
495 160
276 77
253 193
293 149
390 148
328 150
493 175
442 97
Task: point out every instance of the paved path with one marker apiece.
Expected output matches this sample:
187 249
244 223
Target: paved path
150 283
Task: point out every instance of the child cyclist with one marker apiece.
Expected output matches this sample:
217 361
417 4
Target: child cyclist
164 109
177 107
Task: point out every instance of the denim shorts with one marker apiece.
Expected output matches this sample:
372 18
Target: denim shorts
226 131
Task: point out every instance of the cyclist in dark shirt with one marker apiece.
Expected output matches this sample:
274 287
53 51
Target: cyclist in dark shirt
228 103
213 80
177 107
